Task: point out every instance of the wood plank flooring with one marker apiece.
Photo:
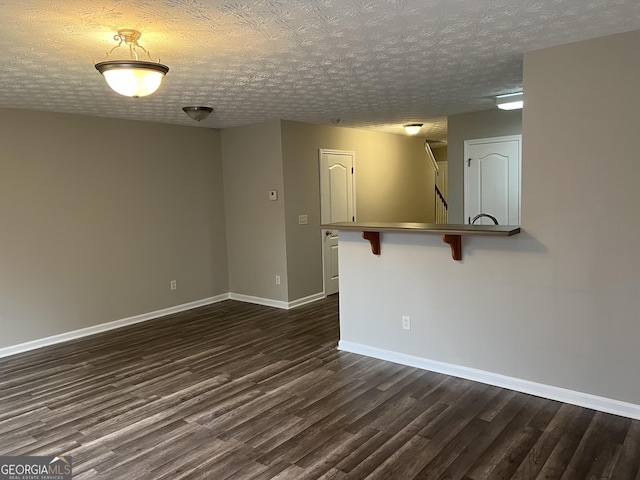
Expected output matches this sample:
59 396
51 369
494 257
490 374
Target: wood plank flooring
239 391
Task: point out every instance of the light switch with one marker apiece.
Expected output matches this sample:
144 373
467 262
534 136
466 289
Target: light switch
273 195
302 220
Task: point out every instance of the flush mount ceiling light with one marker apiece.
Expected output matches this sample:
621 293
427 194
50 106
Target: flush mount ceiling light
510 101
412 128
133 77
198 113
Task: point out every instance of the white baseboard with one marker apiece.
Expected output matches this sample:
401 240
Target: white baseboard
268 302
103 327
304 300
586 400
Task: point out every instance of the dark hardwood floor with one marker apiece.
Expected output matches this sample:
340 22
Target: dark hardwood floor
239 391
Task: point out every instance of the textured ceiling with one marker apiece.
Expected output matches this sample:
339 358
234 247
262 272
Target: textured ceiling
373 64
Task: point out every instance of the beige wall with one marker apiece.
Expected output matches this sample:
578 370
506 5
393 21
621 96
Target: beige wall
557 304
441 154
470 126
394 182
252 165
99 215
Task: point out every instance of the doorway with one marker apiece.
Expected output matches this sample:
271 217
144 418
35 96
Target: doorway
337 204
492 180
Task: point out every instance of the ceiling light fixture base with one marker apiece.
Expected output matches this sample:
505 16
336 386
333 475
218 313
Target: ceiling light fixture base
198 113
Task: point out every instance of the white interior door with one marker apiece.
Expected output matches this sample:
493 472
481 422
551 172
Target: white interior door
337 204
492 179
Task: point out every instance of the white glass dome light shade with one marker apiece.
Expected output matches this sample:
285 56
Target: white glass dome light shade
133 78
412 128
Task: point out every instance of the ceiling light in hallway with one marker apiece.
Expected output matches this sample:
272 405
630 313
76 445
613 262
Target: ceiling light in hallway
412 128
510 101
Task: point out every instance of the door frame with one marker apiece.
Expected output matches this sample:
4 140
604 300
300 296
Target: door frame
478 141
321 152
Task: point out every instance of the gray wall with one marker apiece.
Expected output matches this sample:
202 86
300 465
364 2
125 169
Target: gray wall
557 304
99 215
394 182
252 164
470 126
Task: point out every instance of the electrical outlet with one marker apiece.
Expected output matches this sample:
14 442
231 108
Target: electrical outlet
174 285
277 279
273 195
303 219
406 322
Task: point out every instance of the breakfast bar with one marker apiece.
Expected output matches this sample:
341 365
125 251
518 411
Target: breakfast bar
451 234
